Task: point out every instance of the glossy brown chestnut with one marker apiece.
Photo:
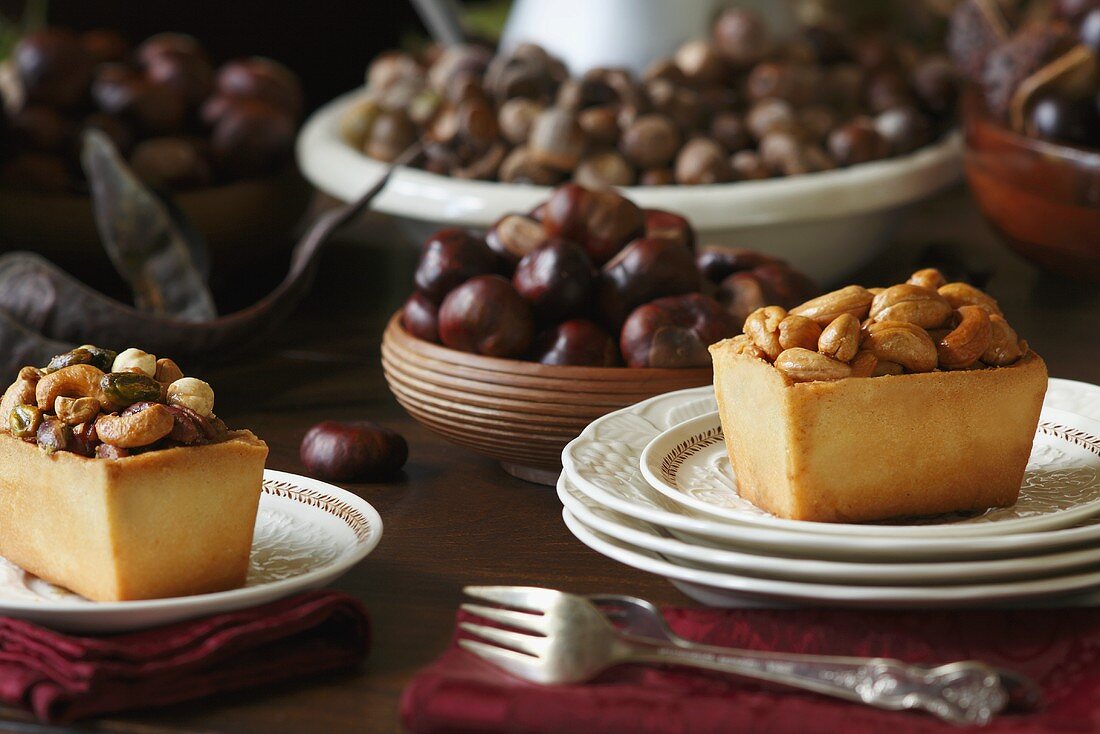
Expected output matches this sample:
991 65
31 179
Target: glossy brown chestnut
449 258
675 331
252 139
717 263
420 317
342 451
577 342
600 221
487 316
645 269
857 142
666 225
53 67
171 162
513 236
262 79
557 279
190 74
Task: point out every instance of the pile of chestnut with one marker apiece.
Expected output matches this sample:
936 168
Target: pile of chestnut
735 106
1036 64
180 122
590 279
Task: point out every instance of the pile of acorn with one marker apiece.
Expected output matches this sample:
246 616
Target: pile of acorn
180 122
738 105
590 279
1037 65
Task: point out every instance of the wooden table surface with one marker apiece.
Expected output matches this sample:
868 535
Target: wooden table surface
453 518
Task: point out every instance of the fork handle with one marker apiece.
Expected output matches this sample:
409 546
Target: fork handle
967 692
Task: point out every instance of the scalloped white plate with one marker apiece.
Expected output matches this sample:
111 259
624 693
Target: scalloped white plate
307 534
689 464
728 589
602 464
649 537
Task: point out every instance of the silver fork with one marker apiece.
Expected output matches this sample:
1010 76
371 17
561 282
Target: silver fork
567 639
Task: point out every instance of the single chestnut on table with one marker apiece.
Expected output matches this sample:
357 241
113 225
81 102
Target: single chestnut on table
346 451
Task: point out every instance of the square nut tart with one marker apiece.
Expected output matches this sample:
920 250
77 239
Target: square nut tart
867 404
121 483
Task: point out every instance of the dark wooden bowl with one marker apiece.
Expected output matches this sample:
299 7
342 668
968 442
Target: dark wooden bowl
520 413
1043 198
241 222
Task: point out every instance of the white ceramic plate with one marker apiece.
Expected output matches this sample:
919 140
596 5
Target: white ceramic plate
689 464
602 464
649 537
834 594
307 534
827 224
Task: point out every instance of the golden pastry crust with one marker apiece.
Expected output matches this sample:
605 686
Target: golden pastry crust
172 522
870 448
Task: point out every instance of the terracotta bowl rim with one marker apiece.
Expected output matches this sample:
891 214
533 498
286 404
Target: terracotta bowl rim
395 330
975 112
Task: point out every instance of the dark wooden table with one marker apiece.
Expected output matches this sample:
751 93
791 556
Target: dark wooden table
453 518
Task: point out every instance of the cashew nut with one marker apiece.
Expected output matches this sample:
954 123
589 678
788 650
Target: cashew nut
928 278
968 341
73 411
798 331
901 342
840 339
803 365
136 429
193 393
20 392
74 381
131 358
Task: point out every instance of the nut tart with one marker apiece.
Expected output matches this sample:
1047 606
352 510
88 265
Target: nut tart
867 404
121 483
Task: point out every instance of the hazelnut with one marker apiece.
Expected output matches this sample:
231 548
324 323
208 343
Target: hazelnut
702 161
651 141
741 37
603 169
557 140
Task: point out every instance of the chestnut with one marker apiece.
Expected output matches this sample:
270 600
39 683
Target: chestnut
450 257
577 342
171 163
857 142
157 107
716 263
904 129
557 279
557 140
741 294
390 134
252 139
487 316
730 131
522 166
657 177
53 67
748 166
343 451
160 44
603 169
420 317
104 45
741 37
702 161
645 269
674 332
262 79
600 221
660 224
700 63
516 117
600 124
650 141
513 236
192 75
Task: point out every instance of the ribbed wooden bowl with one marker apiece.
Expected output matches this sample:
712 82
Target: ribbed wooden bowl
520 413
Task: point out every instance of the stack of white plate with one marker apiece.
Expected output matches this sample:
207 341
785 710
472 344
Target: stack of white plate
651 486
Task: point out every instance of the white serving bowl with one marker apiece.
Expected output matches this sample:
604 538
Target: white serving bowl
827 224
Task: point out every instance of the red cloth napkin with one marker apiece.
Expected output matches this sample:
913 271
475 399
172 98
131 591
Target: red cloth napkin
460 694
63 677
